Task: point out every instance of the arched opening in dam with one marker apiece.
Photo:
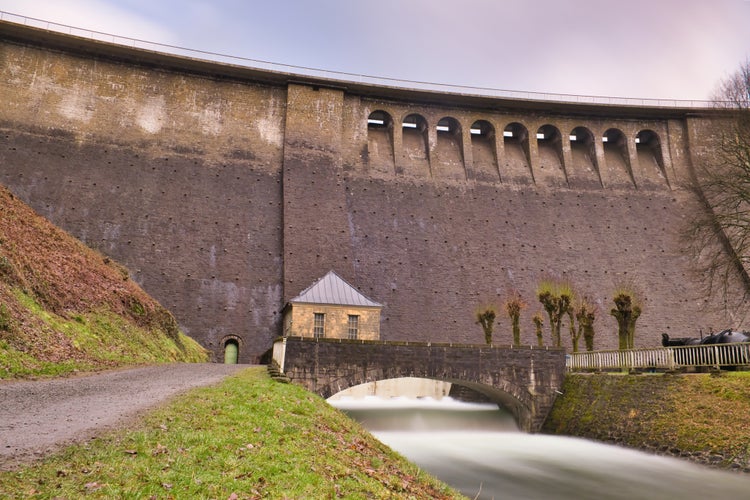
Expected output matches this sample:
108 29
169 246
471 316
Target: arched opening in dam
617 159
549 149
380 143
584 171
415 146
484 151
517 156
650 156
449 159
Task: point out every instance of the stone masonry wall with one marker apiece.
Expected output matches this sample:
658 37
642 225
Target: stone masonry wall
177 176
299 321
433 246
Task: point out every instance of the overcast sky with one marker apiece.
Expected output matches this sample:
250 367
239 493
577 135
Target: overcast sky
669 49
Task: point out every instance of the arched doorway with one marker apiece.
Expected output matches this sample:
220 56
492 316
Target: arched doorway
231 352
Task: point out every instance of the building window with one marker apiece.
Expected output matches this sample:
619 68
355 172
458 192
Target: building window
319 326
353 326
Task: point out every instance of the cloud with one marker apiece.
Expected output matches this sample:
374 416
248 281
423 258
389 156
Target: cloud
633 48
96 15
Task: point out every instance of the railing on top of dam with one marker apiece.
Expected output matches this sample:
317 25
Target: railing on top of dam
662 358
342 76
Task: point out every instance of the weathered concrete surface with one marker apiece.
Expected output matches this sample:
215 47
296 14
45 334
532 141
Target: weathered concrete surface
228 191
37 417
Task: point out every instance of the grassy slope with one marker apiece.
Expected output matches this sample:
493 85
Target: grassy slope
701 417
249 437
65 307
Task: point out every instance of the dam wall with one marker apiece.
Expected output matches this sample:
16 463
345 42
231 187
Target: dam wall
227 191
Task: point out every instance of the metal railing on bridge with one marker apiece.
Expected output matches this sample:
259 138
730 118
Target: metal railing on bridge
661 358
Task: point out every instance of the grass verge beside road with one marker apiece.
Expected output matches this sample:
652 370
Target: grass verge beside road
248 437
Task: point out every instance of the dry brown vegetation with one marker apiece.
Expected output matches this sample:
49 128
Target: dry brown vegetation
60 301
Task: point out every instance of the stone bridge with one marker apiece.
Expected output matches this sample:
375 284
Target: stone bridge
525 380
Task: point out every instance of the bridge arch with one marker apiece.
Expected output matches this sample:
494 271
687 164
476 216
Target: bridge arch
409 387
518 401
504 392
523 380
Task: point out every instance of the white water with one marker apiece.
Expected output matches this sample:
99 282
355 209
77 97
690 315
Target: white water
478 450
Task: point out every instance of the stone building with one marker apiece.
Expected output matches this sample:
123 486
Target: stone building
332 308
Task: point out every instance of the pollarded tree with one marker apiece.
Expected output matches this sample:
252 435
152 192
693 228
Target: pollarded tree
538 321
513 306
575 333
485 316
720 234
556 297
627 310
585 313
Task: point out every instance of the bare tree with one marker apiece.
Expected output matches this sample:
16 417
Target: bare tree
627 310
585 313
556 297
513 306
485 316
720 234
538 323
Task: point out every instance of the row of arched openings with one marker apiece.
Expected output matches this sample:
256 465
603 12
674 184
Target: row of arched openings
515 138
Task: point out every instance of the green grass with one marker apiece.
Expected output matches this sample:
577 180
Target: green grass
698 413
249 436
85 342
17 364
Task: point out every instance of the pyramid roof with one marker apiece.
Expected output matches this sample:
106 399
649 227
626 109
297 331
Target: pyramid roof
332 289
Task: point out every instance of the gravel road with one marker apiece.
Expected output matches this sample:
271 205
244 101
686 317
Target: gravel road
36 417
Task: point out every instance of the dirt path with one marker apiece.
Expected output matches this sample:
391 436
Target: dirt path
36 417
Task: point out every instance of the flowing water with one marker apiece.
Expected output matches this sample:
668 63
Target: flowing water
478 450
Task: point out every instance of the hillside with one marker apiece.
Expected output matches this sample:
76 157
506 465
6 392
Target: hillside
65 307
